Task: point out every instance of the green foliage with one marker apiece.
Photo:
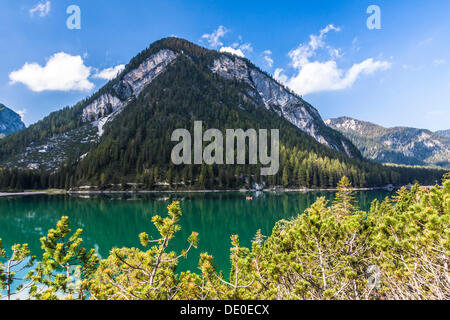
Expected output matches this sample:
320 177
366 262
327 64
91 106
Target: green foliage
130 273
318 255
344 203
412 243
66 267
241 282
10 266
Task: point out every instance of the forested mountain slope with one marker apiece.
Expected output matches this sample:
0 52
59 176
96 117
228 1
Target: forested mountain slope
122 133
399 145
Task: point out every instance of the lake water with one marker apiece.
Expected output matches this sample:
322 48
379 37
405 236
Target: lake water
116 220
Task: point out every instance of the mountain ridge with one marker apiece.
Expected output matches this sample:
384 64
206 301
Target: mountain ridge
102 107
445 133
10 121
399 145
122 132
268 91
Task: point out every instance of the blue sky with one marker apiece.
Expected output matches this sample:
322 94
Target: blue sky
396 76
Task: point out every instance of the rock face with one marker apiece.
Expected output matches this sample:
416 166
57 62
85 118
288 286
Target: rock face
398 145
136 80
101 107
268 92
104 108
10 121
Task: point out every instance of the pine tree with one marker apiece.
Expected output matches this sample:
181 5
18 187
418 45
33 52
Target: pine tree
66 267
285 178
344 202
144 275
19 260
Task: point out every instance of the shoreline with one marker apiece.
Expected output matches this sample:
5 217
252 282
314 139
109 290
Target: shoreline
25 193
287 190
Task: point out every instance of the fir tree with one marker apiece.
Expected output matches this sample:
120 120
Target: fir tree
344 202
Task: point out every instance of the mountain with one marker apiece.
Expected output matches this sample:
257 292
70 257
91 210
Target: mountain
445 133
10 121
399 145
122 133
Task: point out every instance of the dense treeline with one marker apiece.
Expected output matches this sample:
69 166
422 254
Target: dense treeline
311 172
399 249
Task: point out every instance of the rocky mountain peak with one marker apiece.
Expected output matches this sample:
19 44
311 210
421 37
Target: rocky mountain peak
172 65
263 89
10 121
400 145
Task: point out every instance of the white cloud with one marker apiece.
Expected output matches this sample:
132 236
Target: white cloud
316 42
246 47
355 46
62 72
42 8
238 49
268 58
316 76
280 76
21 113
335 53
237 52
214 41
214 38
109 73
304 52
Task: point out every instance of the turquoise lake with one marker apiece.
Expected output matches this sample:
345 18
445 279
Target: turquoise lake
116 220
